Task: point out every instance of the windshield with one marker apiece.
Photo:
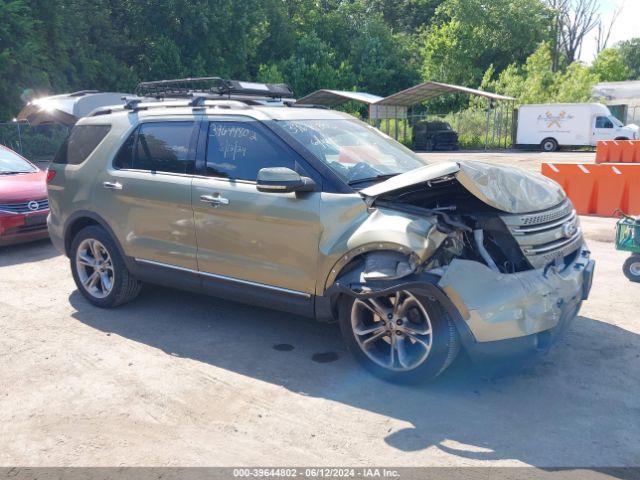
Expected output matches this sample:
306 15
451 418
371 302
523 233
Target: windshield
356 151
616 122
11 162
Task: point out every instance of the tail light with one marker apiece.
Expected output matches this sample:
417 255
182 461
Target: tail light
50 175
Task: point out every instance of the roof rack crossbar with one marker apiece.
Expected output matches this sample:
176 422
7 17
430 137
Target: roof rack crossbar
131 103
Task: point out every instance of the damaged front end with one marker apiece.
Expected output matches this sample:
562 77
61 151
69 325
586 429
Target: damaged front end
511 267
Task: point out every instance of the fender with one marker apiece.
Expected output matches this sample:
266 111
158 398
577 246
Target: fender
425 284
81 214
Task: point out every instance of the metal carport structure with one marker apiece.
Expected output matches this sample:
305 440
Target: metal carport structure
332 98
396 106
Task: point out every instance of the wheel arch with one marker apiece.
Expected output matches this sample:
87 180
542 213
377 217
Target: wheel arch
423 283
352 264
553 139
85 218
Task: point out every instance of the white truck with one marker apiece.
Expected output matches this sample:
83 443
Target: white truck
554 125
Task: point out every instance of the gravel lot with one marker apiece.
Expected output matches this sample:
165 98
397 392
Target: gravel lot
181 379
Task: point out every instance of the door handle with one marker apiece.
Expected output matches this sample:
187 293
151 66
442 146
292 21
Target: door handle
112 185
215 199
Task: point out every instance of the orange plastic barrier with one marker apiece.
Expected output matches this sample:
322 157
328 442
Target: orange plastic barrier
618 151
598 189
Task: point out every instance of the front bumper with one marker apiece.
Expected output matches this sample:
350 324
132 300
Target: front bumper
20 228
519 314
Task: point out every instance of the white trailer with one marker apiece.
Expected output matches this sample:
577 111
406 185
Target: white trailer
555 125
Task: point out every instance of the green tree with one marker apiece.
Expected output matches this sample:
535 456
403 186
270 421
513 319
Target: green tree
20 56
535 81
468 36
630 53
610 66
312 66
406 16
575 84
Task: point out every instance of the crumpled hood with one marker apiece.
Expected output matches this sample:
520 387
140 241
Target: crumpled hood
509 189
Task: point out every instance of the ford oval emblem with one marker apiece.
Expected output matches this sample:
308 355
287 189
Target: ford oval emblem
569 229
33 205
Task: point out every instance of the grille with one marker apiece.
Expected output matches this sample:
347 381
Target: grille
43 204
26 229
555 213
546 236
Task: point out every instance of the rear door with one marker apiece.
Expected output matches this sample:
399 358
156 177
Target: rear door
145 195
268 241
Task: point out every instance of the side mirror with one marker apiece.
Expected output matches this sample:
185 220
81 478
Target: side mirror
283 180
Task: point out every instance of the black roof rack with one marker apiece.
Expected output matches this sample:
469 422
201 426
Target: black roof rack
211 87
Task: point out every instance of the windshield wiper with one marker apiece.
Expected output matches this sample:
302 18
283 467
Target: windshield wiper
372 179
11 173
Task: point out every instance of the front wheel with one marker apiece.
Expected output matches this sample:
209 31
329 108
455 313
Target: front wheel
400 337
549 145
99 270
631 268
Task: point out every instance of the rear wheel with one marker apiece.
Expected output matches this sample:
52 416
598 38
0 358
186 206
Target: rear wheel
401 337
99 270
631 268
549 145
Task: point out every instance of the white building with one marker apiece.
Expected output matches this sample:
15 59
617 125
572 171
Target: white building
622 98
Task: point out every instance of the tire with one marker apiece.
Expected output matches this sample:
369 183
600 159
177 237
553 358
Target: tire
112 284
443 341
631 268
549 145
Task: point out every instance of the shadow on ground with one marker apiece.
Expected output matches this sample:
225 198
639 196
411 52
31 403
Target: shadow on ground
578 406
27 252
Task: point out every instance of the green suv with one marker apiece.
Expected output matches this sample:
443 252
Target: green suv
313 212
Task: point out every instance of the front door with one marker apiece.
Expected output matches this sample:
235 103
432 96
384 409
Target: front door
603 129
264 241
145 196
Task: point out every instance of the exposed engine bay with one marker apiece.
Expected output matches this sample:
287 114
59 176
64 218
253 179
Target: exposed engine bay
476 231
505 242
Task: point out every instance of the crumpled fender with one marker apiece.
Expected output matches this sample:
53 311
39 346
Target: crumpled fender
423 283
382 229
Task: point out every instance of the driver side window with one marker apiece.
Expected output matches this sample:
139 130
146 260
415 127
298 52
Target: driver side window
603 122
238 150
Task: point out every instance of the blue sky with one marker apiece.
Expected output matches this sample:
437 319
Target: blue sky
627 26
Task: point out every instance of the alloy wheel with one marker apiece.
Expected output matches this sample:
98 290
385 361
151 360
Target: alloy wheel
95 268
394 331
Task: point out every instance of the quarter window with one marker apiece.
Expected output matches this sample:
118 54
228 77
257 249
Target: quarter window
238 150
159 147
80 143
603 122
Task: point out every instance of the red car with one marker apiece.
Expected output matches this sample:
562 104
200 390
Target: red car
23 199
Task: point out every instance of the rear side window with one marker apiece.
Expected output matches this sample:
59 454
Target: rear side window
159 147
238 150
80 143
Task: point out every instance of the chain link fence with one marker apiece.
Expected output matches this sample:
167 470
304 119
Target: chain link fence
477 128
36 143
